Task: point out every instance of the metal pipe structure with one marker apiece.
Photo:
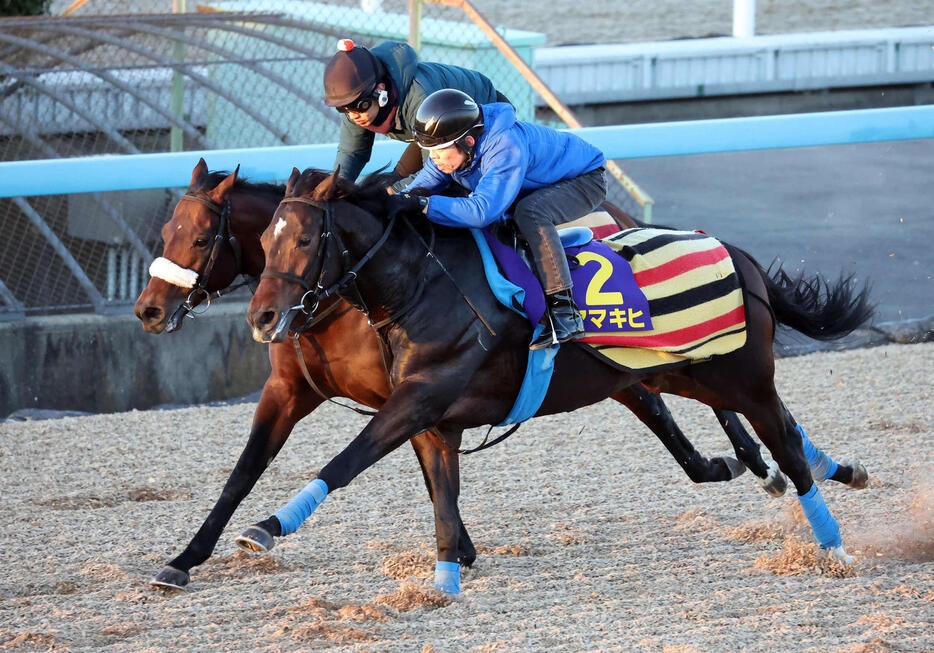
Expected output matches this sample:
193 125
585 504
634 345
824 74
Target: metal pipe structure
61 55
15 309
415 24
108 208
108 131
744 18
73 266
168 170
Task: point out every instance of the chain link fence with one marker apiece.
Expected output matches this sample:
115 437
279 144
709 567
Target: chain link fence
119 77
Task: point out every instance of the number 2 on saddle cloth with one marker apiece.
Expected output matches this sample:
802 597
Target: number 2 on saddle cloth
605 288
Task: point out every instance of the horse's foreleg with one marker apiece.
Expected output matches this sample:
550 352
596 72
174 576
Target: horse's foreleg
442 471
437 469
652 411
413 407
769 476
275 417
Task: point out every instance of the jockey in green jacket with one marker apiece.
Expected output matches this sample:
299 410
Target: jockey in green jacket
379 91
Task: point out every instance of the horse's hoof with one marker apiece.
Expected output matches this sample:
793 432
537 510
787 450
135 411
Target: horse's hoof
735 467
839 554
172 578
255 539
774 482
860 480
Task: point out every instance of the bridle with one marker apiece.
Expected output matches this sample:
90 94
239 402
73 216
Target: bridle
310 301
223 234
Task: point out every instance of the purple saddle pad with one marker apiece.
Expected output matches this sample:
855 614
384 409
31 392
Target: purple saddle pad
605 289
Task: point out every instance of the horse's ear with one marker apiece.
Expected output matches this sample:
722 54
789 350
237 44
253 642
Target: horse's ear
328 189
199 173
221 190
290 186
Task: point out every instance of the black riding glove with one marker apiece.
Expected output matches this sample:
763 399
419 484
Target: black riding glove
405 203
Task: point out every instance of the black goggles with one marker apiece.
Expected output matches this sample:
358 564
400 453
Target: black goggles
361 105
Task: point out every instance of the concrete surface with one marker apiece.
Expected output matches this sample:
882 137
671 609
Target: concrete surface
107 364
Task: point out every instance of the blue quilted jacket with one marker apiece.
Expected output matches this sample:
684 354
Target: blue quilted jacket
511 159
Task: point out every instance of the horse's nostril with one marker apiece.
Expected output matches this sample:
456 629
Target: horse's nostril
267 317
152 313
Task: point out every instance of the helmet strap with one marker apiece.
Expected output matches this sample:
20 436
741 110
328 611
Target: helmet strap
467 150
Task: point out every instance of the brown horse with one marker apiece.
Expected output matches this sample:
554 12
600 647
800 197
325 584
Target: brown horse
451 370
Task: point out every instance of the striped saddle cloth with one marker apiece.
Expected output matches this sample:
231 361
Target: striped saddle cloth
650 298
694 295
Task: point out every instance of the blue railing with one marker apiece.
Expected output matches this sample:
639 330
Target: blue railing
167 170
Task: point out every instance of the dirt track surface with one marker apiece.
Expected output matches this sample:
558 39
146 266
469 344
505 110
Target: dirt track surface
590 537
569 22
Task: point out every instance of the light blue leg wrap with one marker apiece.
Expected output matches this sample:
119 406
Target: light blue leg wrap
448 577
822 465
300 508
825 527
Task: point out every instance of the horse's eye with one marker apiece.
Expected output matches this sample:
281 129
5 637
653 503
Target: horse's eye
201 242
304 241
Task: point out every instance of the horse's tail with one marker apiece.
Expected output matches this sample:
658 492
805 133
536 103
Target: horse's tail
816 307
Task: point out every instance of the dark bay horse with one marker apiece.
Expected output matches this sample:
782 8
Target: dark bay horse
200 237
452 369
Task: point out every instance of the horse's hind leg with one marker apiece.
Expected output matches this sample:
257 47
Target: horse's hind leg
652 411
777 431
823 467
769 476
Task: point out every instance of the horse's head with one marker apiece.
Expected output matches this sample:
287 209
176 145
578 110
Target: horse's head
297 262
200 255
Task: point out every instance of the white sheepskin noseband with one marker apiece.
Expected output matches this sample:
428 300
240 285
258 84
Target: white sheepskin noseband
175 274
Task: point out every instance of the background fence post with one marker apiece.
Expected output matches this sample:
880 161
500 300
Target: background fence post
415 24
176 137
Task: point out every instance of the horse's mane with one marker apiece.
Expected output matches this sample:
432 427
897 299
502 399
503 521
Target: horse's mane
370 193
212 179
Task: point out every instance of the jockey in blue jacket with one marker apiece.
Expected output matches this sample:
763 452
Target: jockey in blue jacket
552 177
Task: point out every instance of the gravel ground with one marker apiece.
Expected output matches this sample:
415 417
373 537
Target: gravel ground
590 537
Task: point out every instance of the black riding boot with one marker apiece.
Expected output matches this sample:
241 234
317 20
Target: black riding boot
561 319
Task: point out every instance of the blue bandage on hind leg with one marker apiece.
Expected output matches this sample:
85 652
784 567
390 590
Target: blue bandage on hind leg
300 508
822 465
448 577
825 527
